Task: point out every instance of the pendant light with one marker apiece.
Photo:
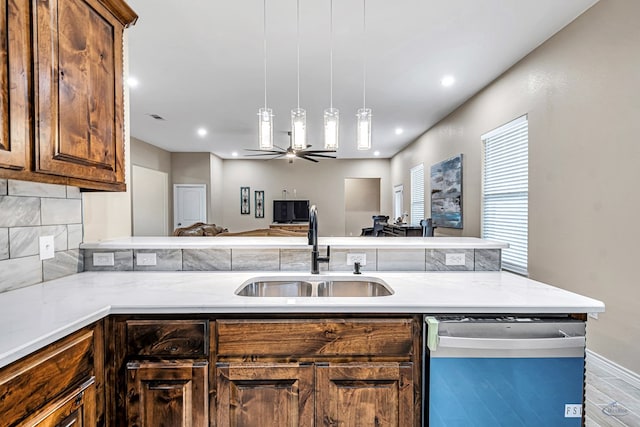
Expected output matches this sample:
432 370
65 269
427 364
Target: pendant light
363 125
298 115
331 115
265 115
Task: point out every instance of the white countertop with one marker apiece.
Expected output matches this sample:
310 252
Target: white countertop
294 242
33 317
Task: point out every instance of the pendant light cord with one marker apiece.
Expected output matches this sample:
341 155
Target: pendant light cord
298 46
331 55
264 45
364 53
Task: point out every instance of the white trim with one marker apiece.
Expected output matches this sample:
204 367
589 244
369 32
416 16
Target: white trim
504 128
615 369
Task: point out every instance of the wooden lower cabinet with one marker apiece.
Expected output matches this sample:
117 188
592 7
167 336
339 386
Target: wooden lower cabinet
367 394
265 395
167 393
77 408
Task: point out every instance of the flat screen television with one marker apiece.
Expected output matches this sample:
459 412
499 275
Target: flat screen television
287 211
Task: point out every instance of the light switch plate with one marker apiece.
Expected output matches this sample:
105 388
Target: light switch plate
146 258
357 257
47 249
103 259
454 259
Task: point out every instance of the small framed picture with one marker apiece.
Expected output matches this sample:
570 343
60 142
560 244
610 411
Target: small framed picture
259 202
245 202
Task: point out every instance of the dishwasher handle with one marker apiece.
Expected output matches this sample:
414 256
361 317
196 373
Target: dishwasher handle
509 343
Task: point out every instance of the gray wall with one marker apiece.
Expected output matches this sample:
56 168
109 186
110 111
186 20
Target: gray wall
322 183
581 91
29 210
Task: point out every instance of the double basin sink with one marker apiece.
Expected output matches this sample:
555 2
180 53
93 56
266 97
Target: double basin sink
314 286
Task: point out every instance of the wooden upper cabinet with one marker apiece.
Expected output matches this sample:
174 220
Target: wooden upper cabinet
79 90
15 80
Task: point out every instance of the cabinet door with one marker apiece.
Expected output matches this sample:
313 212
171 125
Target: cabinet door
15 76
76 408
78 94
168 393
263 395
368 394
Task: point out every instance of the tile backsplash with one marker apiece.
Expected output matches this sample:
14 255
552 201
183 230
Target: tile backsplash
29 210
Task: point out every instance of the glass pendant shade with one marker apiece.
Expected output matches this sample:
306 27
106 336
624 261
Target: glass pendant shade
299 129
265 128
331 126
363 129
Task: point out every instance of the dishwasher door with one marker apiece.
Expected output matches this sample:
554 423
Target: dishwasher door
504 372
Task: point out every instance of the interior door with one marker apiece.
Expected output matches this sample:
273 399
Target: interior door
189 204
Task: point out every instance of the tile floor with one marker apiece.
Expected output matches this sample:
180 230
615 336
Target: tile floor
611 401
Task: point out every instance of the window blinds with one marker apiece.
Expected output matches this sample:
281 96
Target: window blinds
505 195
417 194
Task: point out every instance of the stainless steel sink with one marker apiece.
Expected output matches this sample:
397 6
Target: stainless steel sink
353 288
314 286
276 288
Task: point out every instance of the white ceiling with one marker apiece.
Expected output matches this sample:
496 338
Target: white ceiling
199 63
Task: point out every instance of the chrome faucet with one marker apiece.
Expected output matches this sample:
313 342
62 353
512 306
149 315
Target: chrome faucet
312 234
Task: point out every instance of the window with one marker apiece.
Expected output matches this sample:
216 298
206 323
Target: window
397 201
505 191
417 194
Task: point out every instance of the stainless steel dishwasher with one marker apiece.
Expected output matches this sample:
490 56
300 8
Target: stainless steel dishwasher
504 371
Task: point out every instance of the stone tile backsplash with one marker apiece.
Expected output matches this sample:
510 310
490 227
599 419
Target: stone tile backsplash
29 210
245 259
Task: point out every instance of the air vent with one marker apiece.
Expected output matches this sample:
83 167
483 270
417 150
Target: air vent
157 117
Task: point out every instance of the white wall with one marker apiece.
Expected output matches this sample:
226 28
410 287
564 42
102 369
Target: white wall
581 91
322 183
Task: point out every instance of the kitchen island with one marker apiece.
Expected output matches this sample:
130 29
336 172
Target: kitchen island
219 340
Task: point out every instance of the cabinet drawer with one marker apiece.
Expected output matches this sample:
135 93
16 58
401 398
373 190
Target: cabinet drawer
251 339
168 338
27 385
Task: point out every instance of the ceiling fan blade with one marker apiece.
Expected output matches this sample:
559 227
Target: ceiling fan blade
308 158
317 151
263 151
324 156
264 154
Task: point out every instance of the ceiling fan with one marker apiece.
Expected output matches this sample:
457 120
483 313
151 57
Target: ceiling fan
291 154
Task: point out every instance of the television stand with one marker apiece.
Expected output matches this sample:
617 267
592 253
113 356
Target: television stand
294 226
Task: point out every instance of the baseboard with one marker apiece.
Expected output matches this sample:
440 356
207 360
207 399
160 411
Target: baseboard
615 369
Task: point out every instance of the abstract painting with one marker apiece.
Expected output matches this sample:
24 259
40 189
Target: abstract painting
245 203
259 200
446 193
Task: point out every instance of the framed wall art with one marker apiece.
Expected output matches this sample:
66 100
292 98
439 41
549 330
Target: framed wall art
259 204
245 203
446 193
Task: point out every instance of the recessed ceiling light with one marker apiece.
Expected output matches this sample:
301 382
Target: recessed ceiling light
234 154
447 81
133 82
376 153
202 132
399 131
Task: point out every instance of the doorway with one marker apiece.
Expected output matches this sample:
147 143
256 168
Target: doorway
189 204
361 202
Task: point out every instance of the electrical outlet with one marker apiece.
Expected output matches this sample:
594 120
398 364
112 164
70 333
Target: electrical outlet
47 249
146 258
103 259
454 259
357 257
593 315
